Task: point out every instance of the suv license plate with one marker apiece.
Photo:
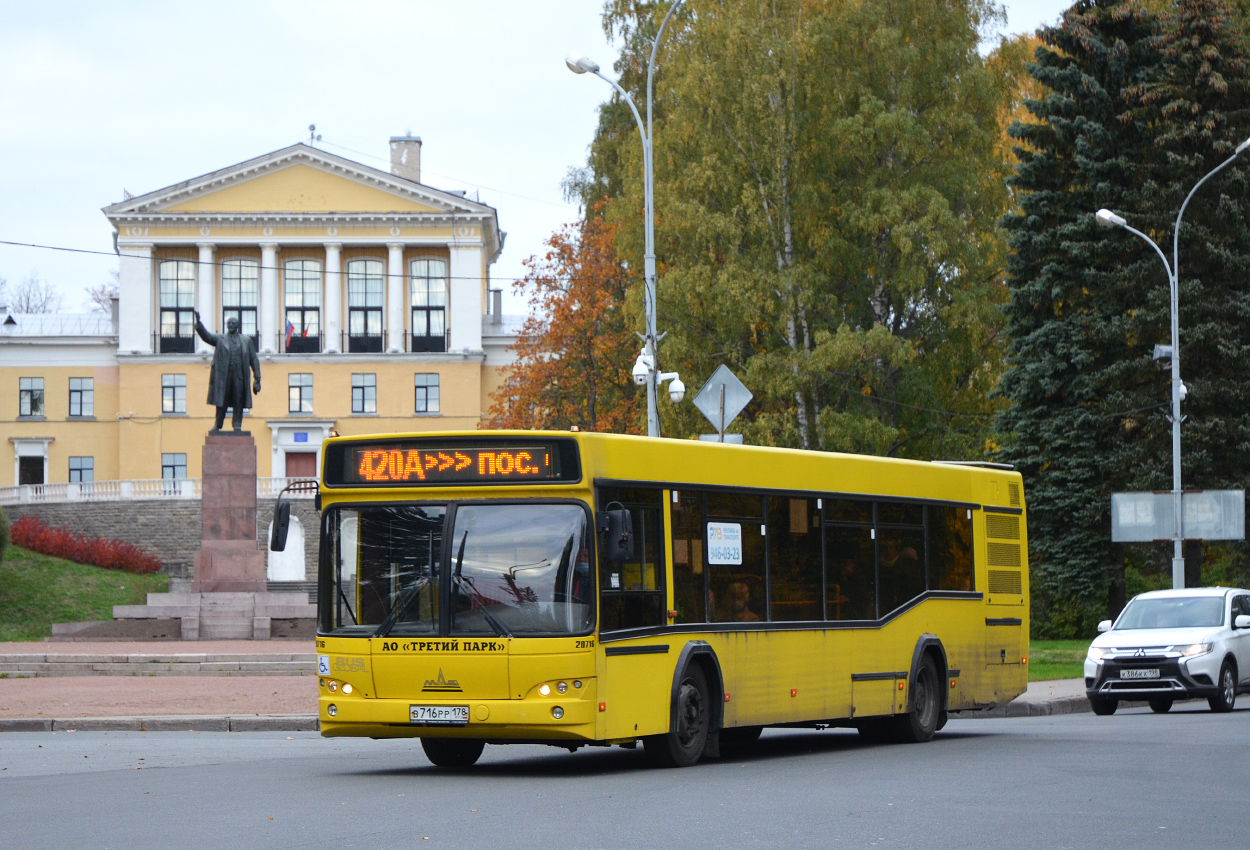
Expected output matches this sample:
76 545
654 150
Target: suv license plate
439 715
1149 673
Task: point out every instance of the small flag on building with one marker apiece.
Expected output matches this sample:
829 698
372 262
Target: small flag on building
290 329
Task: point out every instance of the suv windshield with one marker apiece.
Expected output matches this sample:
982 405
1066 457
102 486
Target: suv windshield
509 570
520 570
1175 612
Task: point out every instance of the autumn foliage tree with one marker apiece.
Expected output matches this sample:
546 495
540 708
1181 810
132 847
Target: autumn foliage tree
576 349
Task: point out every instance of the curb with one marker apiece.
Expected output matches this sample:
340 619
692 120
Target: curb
167 723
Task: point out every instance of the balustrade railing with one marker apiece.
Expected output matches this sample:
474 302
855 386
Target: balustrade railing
138 489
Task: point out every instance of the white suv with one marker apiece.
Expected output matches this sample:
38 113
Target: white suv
1173 644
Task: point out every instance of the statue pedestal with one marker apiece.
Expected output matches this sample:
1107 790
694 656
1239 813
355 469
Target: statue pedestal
229 560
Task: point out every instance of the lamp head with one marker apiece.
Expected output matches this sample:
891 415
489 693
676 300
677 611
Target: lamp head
1107 218
580 64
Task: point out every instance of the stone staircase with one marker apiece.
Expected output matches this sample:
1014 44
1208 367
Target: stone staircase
222 616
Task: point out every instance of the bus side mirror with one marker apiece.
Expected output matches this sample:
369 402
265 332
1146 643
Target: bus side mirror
616 530
281 525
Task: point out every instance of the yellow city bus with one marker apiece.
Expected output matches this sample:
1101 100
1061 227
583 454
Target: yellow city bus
581 589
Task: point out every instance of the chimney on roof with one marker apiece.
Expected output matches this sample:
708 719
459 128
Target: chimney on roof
496 307
406 157
115 312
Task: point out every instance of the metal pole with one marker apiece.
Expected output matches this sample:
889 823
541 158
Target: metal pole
721 428
1174 272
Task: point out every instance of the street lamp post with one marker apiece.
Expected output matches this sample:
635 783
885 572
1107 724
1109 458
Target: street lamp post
1107 218
647 359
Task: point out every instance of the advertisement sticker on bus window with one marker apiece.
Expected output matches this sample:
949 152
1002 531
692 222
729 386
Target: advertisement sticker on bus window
724 543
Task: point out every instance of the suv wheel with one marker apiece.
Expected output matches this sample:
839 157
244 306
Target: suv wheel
1103 706
1228 689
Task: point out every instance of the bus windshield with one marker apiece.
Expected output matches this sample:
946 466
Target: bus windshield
1175 612
520 570
510 570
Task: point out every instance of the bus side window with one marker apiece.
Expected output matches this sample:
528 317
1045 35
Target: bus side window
689 593
736 585
632 592
793 559
900 555
850 566
950 548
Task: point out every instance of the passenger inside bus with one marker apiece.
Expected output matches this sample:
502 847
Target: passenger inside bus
737 608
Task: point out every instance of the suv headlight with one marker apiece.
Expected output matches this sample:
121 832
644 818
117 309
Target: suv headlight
1192 649
1096 653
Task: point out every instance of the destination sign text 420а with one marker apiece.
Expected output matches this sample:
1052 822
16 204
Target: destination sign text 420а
397 465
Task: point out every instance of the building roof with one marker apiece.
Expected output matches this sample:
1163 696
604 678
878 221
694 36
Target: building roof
56 324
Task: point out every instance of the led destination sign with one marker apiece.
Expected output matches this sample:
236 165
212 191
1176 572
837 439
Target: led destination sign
405 465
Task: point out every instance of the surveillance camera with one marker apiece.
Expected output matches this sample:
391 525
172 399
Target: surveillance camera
640 371
676 390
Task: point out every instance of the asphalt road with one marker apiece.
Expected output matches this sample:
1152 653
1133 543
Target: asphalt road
1132 780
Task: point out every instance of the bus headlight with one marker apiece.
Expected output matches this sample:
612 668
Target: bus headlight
544 689
332 710
562 687
557 712
347 687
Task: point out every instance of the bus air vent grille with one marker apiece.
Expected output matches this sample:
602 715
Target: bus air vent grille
1002 526
1013 493
1006 581
1003 554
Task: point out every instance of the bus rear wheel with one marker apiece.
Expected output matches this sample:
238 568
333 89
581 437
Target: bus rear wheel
682 745
919 724
450 752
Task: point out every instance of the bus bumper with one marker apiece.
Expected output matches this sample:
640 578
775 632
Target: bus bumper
514 720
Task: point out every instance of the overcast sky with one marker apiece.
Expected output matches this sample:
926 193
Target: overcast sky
97 98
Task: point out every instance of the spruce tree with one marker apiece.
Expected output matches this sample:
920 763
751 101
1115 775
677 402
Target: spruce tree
1079 378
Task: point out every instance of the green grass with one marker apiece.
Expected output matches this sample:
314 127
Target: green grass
39 590
1056 659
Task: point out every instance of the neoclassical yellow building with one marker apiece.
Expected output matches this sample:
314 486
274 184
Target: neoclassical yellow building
367 293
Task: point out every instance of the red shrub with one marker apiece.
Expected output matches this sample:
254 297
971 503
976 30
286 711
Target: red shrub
30 533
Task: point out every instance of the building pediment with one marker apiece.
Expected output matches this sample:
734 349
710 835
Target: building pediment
296 181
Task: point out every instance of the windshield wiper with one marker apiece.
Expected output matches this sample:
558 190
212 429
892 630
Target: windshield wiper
462 582
389 623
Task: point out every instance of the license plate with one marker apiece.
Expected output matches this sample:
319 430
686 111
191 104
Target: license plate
1149 673
438 715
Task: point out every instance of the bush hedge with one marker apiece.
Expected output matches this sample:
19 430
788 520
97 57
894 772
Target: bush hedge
31 533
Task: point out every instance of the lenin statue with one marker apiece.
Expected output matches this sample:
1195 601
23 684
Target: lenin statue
228 384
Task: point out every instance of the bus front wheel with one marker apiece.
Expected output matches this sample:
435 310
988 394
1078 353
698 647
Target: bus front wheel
919 724
683 745
450 752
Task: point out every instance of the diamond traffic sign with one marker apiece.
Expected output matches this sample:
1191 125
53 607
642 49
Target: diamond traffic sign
722 398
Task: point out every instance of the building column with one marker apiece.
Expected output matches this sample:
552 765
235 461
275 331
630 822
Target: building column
206 293
465 298
268 318
395 278
333 306
136 285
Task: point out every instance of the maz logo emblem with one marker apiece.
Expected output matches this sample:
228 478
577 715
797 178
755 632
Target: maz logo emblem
441 685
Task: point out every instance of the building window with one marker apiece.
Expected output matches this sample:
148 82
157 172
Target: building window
299 387
173 465
81 469
365 288
302 287
177 287
240 284
365 393
426 393
428 292
31 393
173 393
82 397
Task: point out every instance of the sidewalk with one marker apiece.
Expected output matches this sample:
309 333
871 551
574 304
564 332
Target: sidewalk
228 685
220 686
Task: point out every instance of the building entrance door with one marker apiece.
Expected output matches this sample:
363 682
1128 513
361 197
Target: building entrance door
301 464
30 470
